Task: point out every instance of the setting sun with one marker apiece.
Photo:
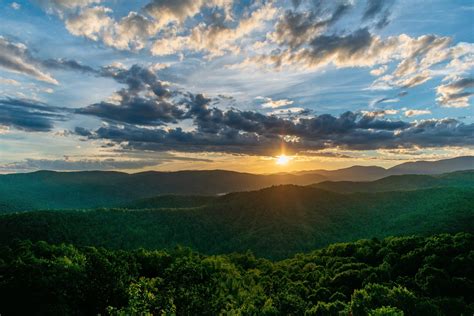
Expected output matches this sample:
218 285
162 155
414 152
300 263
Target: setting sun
282 160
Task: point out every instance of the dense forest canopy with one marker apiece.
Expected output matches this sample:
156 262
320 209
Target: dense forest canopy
297 219
395 276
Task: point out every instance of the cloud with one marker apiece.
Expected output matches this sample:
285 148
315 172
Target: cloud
60 7
168 11
77 165
146 100
215 37
378 11
379 113
379 71
67 64
129 33
29 115
15 6
269 103
140 118
410 113
295 28
454 94
9 82
15 57
74 164
247 132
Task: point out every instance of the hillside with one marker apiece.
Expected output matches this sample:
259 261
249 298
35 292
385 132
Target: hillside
73 190
458 179
273 222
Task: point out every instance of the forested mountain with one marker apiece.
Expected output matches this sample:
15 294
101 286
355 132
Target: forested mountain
72 190
273 222
457 179
83 190
395 276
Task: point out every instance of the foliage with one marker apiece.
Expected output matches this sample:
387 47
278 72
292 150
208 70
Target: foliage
297 219
395 276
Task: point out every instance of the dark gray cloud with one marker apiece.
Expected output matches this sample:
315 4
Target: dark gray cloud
68 64
29 115
146 100
246 132
16 57
135 110
297 27
378 12
249 132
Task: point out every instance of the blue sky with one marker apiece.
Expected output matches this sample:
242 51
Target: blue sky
166 85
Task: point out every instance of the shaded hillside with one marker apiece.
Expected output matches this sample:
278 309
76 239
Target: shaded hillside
273 222
404 182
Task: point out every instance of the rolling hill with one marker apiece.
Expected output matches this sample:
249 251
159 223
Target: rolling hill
273 222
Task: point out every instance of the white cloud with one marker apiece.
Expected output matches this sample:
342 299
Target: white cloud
15 6
9 82
378 71
269 103
454 94
214 38
60 7
410 113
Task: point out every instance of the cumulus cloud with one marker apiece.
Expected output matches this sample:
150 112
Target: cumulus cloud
146 100
215 37
167 11
15 57
15 6
130 32
29 115
455 94
140 120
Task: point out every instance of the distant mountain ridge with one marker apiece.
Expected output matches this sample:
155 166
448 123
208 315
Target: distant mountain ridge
406 182
92 189
370 173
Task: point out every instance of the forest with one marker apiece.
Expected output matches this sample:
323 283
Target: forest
395 276
297 219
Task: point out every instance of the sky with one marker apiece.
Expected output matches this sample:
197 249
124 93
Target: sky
226 84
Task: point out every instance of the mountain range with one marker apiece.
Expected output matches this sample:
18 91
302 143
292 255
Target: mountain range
92 189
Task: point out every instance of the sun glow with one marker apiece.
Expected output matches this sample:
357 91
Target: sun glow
282 160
